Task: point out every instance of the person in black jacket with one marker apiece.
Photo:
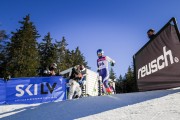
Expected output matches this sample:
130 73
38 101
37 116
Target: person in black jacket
74 87
76 73
151 33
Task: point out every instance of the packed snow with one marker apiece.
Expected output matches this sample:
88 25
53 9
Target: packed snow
152 105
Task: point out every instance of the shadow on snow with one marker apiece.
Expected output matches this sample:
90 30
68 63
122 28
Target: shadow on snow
74 109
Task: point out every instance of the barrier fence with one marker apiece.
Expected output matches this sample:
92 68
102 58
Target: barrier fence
31 90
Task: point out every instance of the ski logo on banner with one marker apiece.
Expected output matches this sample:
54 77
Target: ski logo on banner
21 91
157 64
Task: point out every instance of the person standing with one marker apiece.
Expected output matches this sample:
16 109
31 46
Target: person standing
102 64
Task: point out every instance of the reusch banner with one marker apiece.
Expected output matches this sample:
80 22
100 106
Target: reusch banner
157 64
35 90
2 91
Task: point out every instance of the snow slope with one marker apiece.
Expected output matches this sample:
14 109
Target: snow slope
153 105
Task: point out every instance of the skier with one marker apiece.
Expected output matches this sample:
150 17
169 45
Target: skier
102 64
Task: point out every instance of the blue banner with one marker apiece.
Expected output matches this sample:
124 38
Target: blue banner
2 91
35 90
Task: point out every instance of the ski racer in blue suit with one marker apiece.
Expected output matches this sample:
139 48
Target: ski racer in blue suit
102 64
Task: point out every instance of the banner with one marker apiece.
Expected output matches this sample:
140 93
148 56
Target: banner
157 64
35 90
2 91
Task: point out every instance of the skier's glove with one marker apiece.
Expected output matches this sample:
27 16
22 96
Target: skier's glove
98 70
112 64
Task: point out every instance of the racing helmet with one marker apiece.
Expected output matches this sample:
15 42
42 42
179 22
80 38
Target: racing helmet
100 51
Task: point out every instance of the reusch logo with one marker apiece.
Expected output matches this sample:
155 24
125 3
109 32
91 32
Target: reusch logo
157 64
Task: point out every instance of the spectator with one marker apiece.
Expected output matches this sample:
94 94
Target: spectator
151 33
75 90
52 68
82 82
50 71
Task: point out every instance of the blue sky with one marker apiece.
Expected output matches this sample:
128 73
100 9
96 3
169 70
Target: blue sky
117 26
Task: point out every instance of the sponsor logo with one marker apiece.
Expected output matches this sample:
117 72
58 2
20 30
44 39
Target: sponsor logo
34 89
157 64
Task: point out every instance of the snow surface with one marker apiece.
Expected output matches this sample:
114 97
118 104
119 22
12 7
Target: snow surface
152 105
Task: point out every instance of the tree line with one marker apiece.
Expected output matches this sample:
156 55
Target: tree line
22 56
126 83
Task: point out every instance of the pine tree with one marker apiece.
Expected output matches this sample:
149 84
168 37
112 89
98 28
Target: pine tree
3 35
67 58
62 53
2 46
112 74
3 53
23 55
77 58
47 51
72 58
119 85
67 61
120 78
130 83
